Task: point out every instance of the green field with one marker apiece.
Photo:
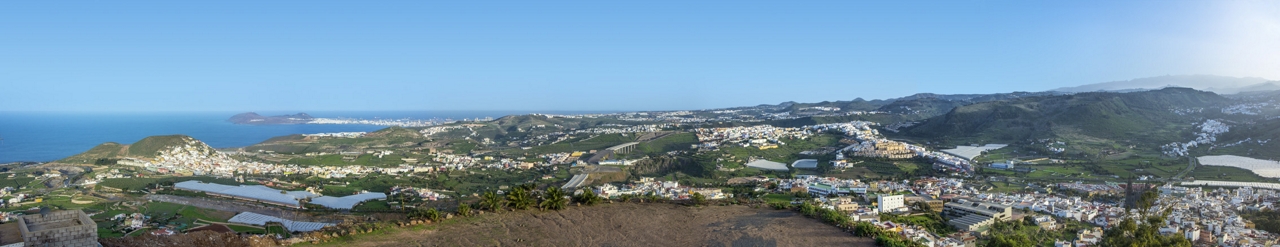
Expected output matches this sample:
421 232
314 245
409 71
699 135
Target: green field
678 141
1226 173
594 143
247 229
129 184
372 206
771 198
183 216
340 190
363 160
783 153
17 181
278 230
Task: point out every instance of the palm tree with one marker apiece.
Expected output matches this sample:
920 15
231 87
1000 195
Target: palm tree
625 198
433 214
464 210
553 199
491 201
519 198
588 197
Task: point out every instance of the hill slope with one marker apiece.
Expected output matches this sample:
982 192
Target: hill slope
102 151
148 147
1212 83
1097 115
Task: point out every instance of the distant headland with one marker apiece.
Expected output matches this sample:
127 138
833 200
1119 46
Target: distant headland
255 119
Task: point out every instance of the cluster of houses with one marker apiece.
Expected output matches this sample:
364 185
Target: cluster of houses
337 134
1212 216
424 193
193 160
760 136
867 142
1209 217
380 122
1247 108
463 162
131 221
1207 134
1092 189
670 190
14 198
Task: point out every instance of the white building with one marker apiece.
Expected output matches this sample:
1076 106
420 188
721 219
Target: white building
889 203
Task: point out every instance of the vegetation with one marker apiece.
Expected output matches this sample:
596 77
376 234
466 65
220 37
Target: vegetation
592 143
1143 117
151 145
587 197
131 184
1264 220
1146 230
553 199
520 198
491 201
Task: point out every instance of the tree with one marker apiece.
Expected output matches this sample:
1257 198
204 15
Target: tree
652 197
491 201
464 210
433 214
808 209
698 198
1015 240
1141 234
625 198
588 197
429 214
553 199
924 207
519 198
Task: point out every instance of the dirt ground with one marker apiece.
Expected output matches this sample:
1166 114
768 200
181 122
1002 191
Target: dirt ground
627 224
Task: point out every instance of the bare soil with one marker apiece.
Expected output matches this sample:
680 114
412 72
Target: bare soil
625 224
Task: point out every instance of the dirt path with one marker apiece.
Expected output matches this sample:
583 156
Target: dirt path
628 224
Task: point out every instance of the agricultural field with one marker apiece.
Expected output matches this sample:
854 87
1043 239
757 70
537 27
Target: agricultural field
783 153
591 143
129 184
1227 173
1264 168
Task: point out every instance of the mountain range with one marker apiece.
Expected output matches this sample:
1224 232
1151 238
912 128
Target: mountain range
1212 83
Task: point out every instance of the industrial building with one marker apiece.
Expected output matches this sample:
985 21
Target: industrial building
975 215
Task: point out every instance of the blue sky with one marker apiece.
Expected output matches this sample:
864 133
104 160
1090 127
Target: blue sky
599 55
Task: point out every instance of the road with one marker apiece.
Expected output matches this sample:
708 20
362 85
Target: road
1191 165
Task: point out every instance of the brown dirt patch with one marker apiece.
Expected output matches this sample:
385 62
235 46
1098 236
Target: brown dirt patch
626 224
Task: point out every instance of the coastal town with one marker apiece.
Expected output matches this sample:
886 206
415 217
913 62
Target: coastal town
967 208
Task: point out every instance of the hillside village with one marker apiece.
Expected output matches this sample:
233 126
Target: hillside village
866 172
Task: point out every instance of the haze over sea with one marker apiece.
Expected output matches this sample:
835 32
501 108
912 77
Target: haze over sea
49 136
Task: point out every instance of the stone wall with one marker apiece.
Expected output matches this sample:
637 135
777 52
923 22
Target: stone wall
62 228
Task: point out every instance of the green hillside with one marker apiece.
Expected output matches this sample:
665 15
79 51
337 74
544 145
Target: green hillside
1259 139
1143 117
102 151
148 147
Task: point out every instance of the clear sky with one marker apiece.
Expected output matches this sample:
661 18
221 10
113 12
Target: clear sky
600 55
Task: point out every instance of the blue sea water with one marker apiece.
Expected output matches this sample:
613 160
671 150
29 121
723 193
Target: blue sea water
49 136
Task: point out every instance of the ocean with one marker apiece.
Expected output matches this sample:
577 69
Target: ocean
49 136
